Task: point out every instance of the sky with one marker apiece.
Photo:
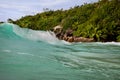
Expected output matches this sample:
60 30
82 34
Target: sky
16 9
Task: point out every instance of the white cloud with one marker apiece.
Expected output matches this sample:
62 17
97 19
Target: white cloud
13 6
53 2
17 8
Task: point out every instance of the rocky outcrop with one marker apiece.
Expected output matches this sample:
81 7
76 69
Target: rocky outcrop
82 39
78 39
68 35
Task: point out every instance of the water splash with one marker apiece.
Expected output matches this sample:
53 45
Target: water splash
35 35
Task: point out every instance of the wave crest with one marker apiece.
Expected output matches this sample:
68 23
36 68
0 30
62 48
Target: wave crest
35 35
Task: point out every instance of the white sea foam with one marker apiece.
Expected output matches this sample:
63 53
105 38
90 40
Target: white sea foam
45 36
109 43
22 53
8 51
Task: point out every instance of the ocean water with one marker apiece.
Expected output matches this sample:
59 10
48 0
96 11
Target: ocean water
38 55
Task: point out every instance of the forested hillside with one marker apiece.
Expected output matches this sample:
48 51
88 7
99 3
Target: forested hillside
100 20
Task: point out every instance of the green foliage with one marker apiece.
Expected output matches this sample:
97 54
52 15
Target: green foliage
100 20
118 38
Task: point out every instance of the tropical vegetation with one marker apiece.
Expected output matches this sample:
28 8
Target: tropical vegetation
100 20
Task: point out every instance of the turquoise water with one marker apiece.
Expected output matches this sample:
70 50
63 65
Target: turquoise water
38 55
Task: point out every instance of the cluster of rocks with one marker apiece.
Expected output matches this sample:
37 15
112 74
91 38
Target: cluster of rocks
68 35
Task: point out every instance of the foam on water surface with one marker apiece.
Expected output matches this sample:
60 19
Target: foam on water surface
27 54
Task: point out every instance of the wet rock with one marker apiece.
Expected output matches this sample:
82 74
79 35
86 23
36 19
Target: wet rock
69 32
57 29
70 39
82 39
68 35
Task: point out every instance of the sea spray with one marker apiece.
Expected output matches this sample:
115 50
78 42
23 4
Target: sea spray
35 35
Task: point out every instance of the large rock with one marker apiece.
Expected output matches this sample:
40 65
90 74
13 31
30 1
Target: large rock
69 32
57 29
77 39
68 35
70 39
82 39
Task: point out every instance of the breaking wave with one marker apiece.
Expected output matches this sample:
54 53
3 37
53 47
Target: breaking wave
14 31
35 35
